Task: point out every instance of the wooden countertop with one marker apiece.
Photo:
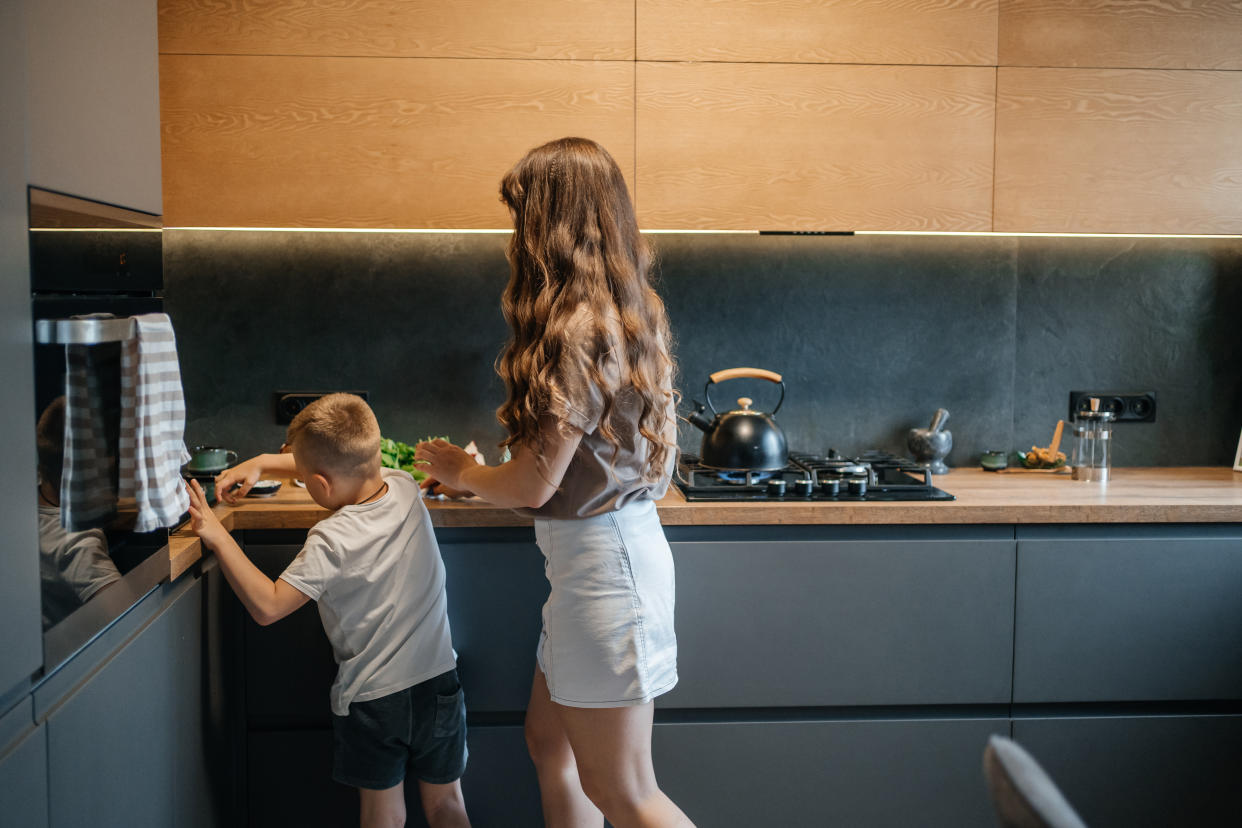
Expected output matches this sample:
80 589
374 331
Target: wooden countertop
1134 495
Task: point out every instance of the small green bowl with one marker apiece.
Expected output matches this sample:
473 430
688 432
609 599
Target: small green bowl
993 460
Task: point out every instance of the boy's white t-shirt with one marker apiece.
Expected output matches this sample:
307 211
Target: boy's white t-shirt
376 573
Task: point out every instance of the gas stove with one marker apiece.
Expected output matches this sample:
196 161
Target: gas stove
872 476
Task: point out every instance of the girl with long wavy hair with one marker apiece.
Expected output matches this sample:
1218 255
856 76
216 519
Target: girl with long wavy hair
591 427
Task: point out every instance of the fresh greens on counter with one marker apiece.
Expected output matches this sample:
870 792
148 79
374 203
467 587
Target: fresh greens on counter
395 454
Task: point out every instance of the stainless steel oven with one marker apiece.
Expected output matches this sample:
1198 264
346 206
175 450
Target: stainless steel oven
93 266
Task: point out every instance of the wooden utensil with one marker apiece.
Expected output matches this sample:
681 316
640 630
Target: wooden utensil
1056 442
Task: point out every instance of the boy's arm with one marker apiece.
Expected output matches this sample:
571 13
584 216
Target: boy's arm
244 475
267 601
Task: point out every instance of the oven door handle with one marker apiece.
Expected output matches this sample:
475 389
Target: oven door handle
84 331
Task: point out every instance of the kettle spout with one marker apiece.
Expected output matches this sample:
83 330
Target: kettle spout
697 418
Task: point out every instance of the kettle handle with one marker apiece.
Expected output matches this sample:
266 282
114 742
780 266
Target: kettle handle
740 373
743 373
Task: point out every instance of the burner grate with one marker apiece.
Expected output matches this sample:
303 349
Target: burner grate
872 476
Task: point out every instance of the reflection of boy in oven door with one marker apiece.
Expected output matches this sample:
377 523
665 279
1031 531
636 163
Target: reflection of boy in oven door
73 566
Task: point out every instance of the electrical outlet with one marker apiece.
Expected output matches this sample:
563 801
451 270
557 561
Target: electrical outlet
1129 406
289 403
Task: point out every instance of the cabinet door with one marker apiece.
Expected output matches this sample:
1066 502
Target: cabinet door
495 592
828 623
289 781
22 653
23 769
289 667
749 146
1142 619
815 773
1135 772
94 100
123 748
264 141
1117 151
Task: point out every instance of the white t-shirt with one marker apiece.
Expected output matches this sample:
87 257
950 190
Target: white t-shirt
375 571
73 566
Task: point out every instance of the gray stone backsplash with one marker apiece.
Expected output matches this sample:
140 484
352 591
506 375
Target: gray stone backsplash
871 333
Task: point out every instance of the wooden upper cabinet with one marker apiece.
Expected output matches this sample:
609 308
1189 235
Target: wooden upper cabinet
569 29
949 32
1118 151
814 147
1203 34
371 142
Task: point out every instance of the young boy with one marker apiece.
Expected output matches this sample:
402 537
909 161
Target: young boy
375 570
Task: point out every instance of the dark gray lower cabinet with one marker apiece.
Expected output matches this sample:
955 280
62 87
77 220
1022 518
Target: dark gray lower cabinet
820 624
813 773
289 781
1112 614
23 768
126 746
1139 771
814 623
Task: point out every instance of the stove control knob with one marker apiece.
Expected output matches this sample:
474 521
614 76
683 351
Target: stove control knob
803 487
776 487
830 488
858 487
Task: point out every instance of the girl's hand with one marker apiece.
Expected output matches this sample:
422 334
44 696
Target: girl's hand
444 463
243 475
435 487
204 521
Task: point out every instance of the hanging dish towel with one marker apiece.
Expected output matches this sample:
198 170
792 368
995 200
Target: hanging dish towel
88 480
152 447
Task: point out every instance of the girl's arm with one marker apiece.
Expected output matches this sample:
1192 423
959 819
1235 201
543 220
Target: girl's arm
527 480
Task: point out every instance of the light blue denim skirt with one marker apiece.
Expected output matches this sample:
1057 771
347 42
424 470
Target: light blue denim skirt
607 638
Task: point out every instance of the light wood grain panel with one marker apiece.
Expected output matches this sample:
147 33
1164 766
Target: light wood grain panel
1119 151
370 142
1155 34
951 32
814 147
570 29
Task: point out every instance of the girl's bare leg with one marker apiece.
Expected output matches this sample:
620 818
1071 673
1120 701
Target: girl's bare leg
382 809
443 805
612 746
564 803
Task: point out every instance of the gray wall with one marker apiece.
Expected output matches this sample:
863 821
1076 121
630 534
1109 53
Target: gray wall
872 333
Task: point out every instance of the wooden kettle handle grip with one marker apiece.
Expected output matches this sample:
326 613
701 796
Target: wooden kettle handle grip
740 373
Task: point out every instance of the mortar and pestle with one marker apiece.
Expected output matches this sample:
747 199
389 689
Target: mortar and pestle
930 445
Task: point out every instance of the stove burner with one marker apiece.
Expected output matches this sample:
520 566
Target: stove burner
873 476
748 478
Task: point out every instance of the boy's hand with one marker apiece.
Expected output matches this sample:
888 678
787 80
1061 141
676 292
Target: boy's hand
204 521
244 475
443 462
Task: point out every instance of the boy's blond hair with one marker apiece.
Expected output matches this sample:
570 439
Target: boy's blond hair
337 434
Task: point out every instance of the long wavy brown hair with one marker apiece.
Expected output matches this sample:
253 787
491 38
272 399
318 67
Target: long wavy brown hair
575 246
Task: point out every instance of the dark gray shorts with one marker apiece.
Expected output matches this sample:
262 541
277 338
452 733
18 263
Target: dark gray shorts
419 731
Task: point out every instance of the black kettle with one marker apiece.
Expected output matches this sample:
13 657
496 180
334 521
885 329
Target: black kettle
742 439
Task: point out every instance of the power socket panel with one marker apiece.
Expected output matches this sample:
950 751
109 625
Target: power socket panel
289 403
1129 406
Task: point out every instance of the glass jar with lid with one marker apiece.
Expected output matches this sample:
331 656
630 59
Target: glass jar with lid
1092 455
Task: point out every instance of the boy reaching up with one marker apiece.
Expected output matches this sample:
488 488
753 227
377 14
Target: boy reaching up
374 568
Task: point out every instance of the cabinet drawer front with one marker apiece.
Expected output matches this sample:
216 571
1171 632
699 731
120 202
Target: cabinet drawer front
1141 771
1128 620
804 773
817 623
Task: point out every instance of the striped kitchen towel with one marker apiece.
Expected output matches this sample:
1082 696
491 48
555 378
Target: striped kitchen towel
152 447
88 480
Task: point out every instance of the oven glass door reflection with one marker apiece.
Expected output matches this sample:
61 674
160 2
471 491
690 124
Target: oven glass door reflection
92 267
